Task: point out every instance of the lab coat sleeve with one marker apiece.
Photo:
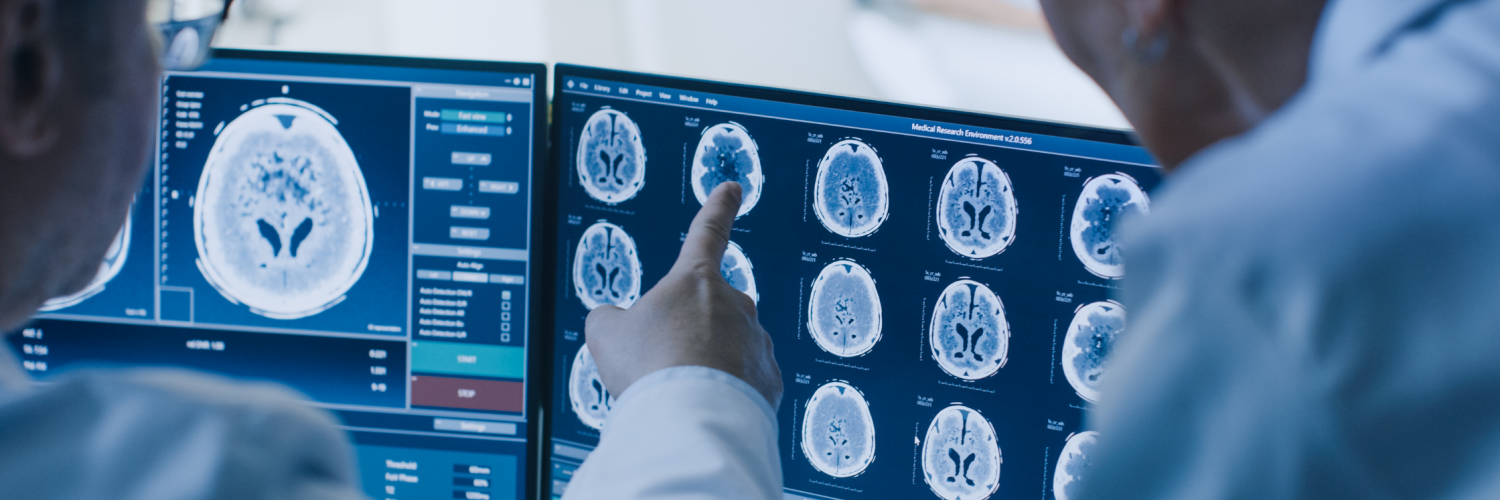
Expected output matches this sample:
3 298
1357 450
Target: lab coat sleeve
686 432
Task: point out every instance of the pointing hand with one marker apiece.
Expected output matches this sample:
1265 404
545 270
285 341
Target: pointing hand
692 317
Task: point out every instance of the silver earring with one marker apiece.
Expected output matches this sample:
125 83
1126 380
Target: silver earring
1152 51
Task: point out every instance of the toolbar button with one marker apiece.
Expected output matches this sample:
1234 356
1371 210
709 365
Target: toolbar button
499 187
468 233
442 184
469 212
475 159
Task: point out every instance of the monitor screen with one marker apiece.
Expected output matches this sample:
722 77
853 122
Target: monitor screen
937 283
357 228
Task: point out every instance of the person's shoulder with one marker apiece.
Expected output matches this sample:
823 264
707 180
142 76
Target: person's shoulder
174 391
220 435
1335 174
260 416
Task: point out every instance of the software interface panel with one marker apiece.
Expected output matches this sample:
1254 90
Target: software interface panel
360 232
938 291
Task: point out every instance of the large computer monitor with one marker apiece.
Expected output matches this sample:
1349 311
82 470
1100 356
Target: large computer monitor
358 228
936 282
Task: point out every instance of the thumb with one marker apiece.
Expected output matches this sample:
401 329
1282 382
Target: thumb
603 315
709 235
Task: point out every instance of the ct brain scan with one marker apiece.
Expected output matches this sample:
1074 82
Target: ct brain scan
727 153
976 210
851 196
1073 465
606 269
114 260
960 457
838 435
282 216
969 334
1086 348
1105 200
738 272
591 401
844 311
611 158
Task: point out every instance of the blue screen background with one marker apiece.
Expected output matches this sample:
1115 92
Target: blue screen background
1030 404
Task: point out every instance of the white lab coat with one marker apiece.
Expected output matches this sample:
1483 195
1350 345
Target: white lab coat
1315 305
684 433
165 435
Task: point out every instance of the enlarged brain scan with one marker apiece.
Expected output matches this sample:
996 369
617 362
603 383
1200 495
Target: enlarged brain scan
1086 348
844 310
727 153
960 457
282 217
611 158
851 196
738 272
591 401
1105 200
114 260
976 210
838 435
1073 465
969 335
606 269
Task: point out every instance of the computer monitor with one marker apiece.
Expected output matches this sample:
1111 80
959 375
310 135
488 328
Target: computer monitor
937 283
358 228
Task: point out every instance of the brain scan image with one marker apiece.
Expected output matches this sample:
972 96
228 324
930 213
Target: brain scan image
844 310
611 158
851 196
738 272
606 269
1086 348
114 260
727 153
969 334
1105 200
1073 465
838 435
282 216
976 210
960 457
591 401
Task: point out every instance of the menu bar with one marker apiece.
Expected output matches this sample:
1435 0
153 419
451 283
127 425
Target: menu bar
854 119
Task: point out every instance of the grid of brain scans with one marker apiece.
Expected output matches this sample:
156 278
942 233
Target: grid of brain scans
937 284
359 229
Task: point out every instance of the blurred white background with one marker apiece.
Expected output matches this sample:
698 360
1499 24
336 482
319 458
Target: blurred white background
985 55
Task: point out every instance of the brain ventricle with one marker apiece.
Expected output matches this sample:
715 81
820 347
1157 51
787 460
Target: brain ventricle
611 157
976 209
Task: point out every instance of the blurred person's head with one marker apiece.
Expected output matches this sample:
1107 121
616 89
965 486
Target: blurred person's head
78 84
1188 73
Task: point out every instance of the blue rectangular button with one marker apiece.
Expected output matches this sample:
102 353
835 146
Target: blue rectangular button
475 129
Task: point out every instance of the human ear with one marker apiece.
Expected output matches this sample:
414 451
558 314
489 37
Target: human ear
30 74
1149 27
1154 18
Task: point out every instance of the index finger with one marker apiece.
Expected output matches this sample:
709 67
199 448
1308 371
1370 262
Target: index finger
709 234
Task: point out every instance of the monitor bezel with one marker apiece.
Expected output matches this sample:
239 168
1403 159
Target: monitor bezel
538 355
561 72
